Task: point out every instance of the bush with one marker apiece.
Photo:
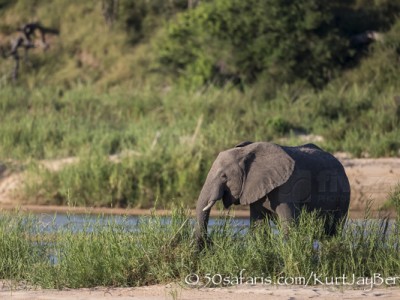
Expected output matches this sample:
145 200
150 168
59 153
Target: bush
141 18
247 38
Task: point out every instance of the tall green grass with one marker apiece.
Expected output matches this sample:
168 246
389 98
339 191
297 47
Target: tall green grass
52 123
162 142
115 254
394 199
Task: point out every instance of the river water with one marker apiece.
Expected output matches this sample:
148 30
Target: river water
77 222
87 222
49 223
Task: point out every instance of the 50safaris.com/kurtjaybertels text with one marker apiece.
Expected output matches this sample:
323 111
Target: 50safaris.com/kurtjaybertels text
375 280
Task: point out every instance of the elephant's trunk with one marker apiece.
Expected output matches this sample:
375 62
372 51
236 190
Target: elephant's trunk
203 216
209 194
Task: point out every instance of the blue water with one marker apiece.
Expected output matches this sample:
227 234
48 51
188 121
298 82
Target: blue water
49 223
87 222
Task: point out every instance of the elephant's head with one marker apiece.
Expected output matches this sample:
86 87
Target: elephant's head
242 175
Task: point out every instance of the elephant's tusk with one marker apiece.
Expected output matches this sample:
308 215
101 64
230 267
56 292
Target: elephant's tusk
209 205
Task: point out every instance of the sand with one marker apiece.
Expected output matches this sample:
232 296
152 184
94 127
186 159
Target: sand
175 291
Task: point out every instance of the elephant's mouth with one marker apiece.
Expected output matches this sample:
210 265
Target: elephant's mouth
228 199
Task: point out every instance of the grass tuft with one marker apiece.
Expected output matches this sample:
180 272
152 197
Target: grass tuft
158 250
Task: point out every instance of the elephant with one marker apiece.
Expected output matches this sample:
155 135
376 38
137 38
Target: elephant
276 181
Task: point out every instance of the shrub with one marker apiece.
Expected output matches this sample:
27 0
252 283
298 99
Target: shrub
247 38
141 18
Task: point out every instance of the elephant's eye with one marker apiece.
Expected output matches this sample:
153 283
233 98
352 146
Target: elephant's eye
223 176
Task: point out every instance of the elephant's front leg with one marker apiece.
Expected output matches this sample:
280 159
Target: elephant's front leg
283 207
258 212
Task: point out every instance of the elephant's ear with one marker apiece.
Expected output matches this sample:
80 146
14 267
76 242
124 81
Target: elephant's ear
266 166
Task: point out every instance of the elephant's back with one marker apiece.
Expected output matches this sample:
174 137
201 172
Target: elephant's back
311 157
327 172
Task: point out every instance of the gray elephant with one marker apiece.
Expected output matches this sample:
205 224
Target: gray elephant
276 181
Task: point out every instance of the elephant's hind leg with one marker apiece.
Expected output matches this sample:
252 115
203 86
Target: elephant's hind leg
334 222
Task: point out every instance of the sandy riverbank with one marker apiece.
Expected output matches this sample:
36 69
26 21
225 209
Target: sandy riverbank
371 180
174 291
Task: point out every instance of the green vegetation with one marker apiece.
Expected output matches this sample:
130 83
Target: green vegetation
158 253
281 39
162 89
394 199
